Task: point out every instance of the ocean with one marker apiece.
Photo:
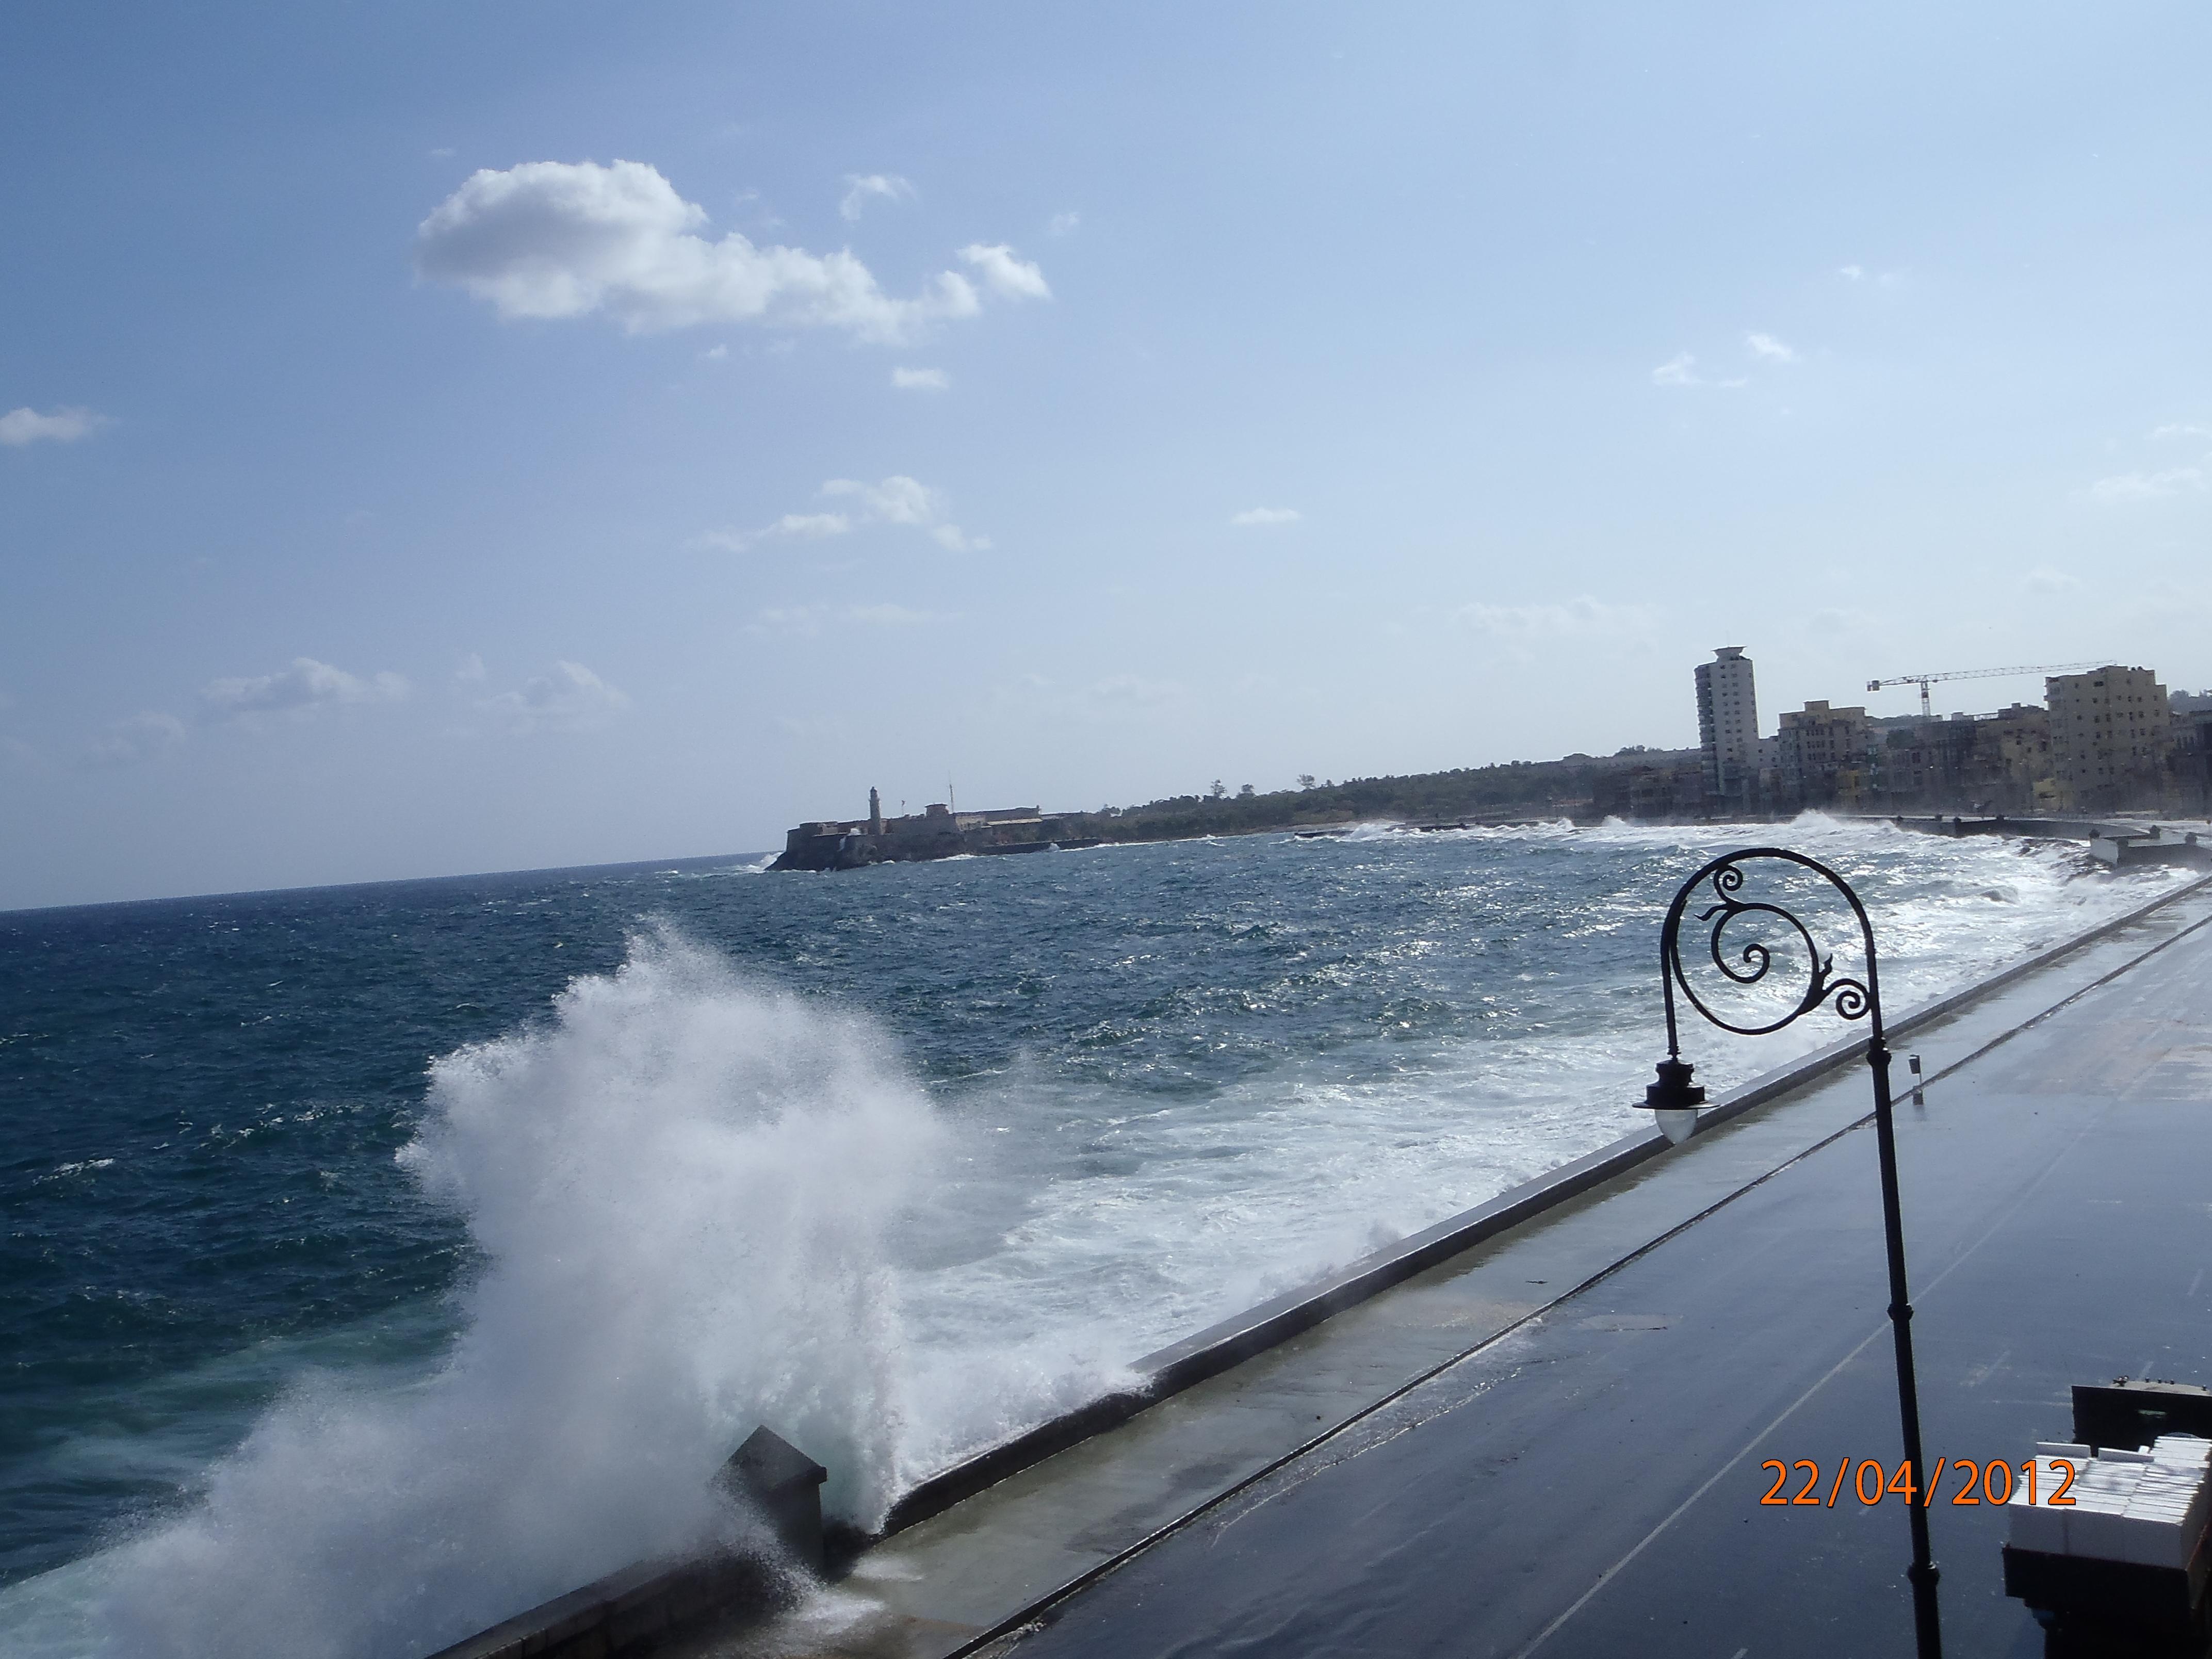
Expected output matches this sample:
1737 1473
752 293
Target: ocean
381 1261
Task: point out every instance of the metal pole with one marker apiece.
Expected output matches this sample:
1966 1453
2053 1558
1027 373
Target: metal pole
1928 1633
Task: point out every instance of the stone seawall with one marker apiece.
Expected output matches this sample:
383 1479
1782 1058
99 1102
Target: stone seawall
635 1610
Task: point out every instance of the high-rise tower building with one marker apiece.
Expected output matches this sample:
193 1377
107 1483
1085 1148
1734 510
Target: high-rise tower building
1728 726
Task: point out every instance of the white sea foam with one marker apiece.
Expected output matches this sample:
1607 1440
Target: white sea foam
60 1171
681 1187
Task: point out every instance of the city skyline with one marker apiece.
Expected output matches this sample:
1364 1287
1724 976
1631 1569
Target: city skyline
2102 738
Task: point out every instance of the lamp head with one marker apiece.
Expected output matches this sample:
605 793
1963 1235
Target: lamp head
1673 1099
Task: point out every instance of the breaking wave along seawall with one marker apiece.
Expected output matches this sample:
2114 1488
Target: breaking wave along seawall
899 1163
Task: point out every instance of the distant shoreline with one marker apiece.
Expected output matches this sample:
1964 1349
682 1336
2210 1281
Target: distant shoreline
1584 788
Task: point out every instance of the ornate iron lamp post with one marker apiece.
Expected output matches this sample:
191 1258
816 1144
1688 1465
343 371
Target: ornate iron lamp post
1677 1100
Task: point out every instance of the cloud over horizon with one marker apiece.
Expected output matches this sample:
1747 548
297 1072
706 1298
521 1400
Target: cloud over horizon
555 240
19 427
301 690
898 500
2153 485
568 698
2148 486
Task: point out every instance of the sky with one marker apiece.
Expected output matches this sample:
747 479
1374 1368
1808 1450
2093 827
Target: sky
444 438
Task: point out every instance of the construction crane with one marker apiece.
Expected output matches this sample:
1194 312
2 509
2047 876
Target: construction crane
1923 681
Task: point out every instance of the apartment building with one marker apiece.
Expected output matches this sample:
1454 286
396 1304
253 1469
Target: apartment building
1823 753
2011 760
1728 726
2111 732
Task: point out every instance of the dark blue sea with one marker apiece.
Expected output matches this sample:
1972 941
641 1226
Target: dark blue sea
380 1260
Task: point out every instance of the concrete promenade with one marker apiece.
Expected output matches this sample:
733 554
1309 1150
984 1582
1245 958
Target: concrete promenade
1552 1442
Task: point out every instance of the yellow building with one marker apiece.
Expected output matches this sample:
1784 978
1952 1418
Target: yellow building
1822 755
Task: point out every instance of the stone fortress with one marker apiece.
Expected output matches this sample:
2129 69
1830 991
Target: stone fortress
935 832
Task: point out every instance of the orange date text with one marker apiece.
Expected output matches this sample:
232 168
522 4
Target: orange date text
1960 1480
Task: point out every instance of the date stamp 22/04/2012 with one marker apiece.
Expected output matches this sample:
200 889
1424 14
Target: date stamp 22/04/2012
1959 1480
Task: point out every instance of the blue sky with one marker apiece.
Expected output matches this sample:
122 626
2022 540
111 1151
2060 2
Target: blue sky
445 438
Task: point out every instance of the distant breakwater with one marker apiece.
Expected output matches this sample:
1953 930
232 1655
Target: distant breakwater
1581 788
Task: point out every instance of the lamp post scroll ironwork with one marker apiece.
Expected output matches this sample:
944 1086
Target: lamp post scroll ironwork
1675 1099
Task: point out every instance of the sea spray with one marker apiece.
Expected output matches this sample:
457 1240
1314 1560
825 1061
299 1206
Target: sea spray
680 1187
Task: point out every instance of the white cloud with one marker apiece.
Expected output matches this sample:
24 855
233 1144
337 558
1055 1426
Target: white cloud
1264 515
471 670
2153 485
1577 618
859 186
897 499
903 501
2148 486
551 239
1063 224
2043 578
1005 274
571 698
714 353
19 427
1853 273
140 738
1681 369
921 379
302 690
1767 347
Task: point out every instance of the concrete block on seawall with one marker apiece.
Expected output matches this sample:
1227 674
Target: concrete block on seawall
785 1485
